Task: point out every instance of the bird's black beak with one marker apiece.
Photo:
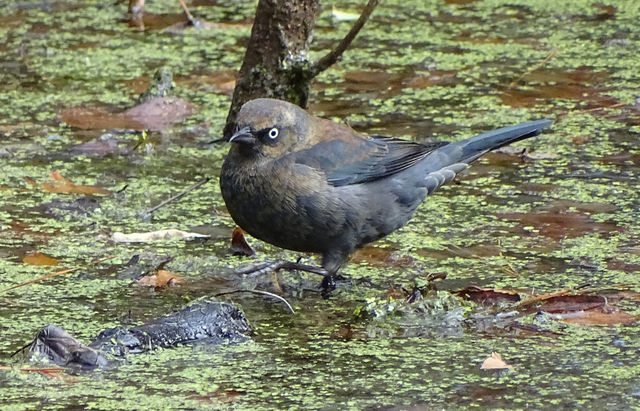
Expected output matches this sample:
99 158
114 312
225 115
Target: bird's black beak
243 136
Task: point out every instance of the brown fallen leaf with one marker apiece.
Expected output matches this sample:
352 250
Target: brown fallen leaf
540 84
560 225
152 236
615 264
58 184
221 81
488 296
571 303
495 362
161 279
381 257
604 316
160 112
155 114
583 309
433 78
239 245
38 258
536 299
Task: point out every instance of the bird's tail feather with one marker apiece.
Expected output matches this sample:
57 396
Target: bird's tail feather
469 150
480 144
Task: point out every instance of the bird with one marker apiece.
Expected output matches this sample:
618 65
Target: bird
309 184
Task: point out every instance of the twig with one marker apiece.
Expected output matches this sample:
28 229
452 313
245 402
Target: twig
534 300
187 12
334 55
150 211
509 269
590 110
276 296
57 273
552 54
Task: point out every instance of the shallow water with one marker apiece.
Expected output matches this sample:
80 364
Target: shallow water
566 217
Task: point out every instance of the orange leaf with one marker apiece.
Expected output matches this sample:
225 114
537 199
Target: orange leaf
599 317
55 175
162 278
239 245
39 259
571 303
488 296
155 114
59 184
51 372
495 362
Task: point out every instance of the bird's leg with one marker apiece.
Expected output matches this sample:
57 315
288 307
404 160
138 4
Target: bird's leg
288 265
277 265
331 262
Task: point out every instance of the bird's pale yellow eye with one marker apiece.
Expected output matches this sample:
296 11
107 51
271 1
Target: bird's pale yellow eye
273 133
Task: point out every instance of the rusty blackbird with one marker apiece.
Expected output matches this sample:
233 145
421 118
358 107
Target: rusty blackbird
309 184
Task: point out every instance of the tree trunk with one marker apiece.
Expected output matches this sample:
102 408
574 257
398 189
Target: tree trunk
276 63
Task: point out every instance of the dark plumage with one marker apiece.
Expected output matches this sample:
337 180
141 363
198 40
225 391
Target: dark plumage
308 184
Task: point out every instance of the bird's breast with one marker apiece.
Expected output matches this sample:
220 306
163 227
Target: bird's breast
282 205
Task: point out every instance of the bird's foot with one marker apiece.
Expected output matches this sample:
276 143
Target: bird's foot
277 265
328 284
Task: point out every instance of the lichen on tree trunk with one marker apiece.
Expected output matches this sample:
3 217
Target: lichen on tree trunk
276 63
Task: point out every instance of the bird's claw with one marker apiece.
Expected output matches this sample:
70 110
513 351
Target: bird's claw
329 283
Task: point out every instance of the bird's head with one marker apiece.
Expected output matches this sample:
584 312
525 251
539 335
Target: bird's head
269 127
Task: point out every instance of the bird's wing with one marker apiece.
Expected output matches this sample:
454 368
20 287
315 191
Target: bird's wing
357 159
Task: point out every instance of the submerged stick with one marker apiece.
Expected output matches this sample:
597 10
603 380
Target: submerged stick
190 17
552 54
150 211
591 110
267 293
